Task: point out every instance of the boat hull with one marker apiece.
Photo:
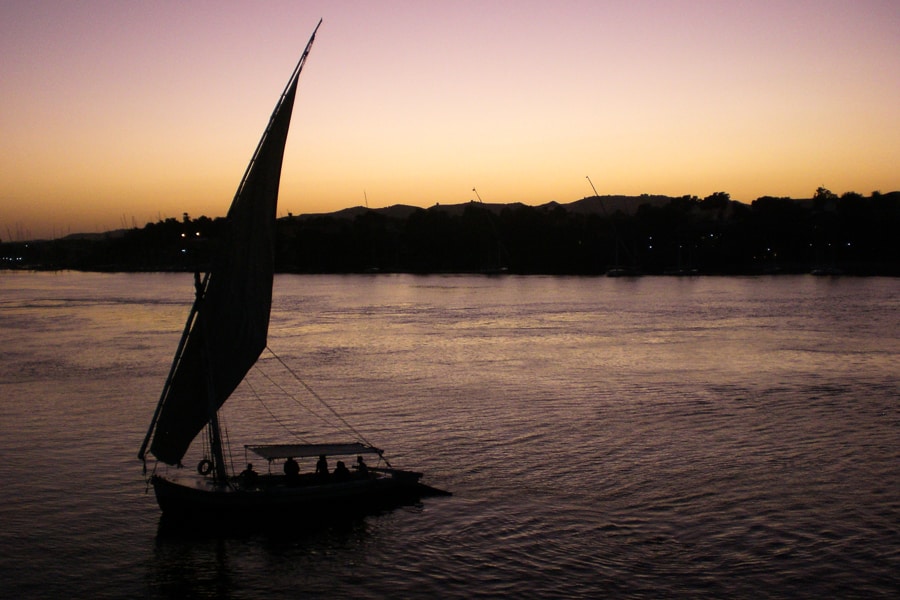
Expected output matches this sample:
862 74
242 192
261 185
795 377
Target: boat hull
195 497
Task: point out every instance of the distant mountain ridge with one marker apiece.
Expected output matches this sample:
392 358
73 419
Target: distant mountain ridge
600 205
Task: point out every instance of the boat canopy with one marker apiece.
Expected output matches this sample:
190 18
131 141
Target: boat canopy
273 451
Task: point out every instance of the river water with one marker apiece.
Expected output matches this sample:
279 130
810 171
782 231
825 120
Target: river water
622 438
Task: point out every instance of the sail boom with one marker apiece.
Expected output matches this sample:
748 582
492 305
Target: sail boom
291 84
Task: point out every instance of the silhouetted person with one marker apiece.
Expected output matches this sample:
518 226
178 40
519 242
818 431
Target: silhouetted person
249 476
341 473
361 469
322 468
291 470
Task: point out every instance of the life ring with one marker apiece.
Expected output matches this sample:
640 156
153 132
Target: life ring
205 467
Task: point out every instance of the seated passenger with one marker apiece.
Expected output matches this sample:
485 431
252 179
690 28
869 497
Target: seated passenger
341 473
322 468
291 470
249 476
361 469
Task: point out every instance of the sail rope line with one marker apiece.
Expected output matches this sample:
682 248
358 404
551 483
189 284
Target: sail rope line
296 400
226 444
313 393
269 410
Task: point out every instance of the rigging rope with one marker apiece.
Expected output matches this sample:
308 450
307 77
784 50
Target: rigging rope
291 396
319 398
223 426
268 410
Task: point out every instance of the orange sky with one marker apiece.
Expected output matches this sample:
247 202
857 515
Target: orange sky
115 113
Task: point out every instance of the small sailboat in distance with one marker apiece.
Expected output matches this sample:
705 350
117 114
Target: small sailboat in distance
225 334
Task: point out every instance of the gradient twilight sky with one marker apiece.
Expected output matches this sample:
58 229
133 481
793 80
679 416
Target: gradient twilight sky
117 112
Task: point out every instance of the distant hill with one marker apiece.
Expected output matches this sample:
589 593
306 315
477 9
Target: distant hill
397 211
609 205
599 205
96 237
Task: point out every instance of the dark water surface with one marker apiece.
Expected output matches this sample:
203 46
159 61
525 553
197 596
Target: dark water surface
645 438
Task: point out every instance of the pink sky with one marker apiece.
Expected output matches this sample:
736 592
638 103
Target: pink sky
115 113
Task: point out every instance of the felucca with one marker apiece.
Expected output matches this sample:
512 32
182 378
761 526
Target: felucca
225 334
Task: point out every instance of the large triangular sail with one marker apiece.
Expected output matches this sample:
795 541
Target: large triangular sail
229 324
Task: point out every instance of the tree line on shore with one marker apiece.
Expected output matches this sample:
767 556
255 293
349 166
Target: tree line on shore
851 233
